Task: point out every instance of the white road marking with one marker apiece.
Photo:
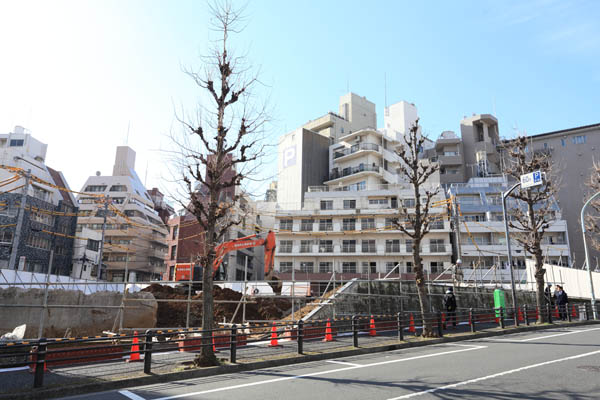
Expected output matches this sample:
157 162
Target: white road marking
483 378
130 395
544 337
343 363
287 378
13 369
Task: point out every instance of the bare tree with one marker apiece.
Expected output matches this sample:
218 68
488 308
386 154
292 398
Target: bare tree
221 150
592 219
535 209
417 225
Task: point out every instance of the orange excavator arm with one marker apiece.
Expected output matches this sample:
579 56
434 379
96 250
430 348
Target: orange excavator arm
244 243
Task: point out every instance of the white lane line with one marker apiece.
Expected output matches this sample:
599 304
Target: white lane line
483 378
130 395
13 369
343 363
559 334
287 378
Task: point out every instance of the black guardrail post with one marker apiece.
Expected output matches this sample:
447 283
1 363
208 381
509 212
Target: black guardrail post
300 337
502 317
587 311
355 331
38 378
400 327
440 328
526 314
471 320
549 309
233 344
148 352
568 312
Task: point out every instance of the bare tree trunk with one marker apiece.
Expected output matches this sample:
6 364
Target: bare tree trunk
539 293
207 357
421 289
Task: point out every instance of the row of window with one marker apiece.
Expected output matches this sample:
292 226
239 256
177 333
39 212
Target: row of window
350 204
348 224
350 245
351 267
102 188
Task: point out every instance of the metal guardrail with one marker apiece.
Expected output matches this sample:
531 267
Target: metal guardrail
38 354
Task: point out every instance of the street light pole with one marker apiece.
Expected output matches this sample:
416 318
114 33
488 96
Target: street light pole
587 254
512 276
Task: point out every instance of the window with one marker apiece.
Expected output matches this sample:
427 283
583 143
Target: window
349 204
93 245
368 246
494 199
408 267
325 246
378 201
437 246
95 188
173 252
175 232
285 246
348 246
286 224
437 223
450 153
306 225
118 188
361 186
349 267
306 246
16 142
392 246
324 267
473 200
325 224
38 242
369 267
436 267
474 217
367 223
6 236
326 204
390 265
8 209
391 223
409 245
42 218
118 200
40 193
286 266
409 203
348 224
307 266
578 139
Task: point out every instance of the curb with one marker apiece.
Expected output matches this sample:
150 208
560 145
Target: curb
63 391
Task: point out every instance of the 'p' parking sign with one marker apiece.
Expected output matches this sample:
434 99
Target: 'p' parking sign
289 156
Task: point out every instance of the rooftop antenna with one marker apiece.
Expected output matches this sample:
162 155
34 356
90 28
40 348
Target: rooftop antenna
127 139
385 89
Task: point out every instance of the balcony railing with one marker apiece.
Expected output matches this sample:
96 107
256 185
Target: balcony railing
355 148
335 174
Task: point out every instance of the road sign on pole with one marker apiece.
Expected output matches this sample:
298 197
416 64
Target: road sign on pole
531 179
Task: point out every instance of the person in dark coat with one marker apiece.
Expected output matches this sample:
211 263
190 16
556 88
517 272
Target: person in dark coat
450 306
561 301
548 295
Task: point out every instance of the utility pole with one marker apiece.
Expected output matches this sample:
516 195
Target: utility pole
509 255
17 239
457 264
106 200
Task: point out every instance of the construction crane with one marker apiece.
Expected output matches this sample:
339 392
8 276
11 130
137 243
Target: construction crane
182 271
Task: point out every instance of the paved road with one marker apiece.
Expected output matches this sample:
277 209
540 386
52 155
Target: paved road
562 363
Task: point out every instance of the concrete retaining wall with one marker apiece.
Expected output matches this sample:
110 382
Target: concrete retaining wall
81 321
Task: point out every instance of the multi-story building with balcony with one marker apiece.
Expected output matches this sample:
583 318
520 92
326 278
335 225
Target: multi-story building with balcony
135 237
482 234
49 212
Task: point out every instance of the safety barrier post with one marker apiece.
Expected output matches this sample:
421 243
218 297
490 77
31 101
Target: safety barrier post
233 344
566 308
471 320
400 327
526 312
549 312
355 331
440 329
300 337
148 352
38 378
587 311
502 317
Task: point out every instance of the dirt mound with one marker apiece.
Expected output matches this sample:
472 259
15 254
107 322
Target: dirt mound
173 314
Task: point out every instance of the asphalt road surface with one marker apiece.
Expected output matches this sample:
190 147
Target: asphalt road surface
562 363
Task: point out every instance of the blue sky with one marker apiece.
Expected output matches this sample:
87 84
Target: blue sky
78 73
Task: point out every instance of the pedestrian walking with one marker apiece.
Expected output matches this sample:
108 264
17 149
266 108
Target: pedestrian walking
450 306
548 295
561 301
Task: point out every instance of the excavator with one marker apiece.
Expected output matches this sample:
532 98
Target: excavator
182 271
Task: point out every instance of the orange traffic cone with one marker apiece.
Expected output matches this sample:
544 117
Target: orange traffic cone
556 312
444 320
274 341
574 312
411 324
213 343
372 330
328 335
520 315
135 349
